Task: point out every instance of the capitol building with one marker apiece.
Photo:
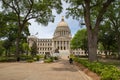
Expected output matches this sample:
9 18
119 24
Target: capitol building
60 41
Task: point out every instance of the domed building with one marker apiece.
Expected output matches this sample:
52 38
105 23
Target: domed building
60 41
62 36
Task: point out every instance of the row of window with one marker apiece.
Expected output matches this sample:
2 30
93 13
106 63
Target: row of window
84 52
42 52
45 40
45 49
62 33
44 44
61 42
78 53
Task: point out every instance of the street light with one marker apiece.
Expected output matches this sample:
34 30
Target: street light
82 23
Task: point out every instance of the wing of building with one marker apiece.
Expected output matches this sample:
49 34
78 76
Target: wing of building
61 39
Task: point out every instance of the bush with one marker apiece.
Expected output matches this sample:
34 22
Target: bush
49 60
55 58
25 57
107 72
30 60
7 59
41 56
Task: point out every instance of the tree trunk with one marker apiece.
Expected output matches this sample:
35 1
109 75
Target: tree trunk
118 42
92 46
93 32
18 45
6 52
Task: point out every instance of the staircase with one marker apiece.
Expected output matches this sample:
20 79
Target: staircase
64 54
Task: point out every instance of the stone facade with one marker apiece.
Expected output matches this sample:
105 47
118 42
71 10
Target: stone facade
61 39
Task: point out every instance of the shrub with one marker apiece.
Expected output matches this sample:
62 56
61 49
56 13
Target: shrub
7 59
49 60
25 57
55 58
30 60
107 72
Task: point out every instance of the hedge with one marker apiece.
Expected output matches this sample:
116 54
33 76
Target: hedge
107 72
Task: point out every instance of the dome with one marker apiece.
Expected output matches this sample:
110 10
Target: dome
62 23
62 29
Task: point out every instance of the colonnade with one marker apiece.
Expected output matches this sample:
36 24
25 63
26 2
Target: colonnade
62 45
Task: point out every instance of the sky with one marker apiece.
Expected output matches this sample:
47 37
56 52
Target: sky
48 31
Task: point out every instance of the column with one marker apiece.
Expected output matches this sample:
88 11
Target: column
66 44
54 44
62 45
58 44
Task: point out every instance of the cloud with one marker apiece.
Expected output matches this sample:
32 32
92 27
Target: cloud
48 31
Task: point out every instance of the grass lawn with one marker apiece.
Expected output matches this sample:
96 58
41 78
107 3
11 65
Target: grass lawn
111 62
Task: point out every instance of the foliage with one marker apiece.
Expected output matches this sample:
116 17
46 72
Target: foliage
92 11
30 60
80 40
25 47
7 59
25 10
34 49
106 37
8 32
55 58
41 56
109 35
1 48
114 20
48 60
107 72
25 57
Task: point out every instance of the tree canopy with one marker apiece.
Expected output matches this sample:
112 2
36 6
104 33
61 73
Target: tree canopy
92 12
25 10
79 40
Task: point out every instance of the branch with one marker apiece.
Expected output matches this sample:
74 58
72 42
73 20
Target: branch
87 14
83 6
25 19
33 17
101 13
18 8
97 4
9 5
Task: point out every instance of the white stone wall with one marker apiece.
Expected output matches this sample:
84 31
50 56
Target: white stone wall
44 45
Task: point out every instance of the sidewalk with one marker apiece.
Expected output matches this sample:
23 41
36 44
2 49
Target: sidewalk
60 70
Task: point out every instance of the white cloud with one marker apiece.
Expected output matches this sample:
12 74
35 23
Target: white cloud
48 31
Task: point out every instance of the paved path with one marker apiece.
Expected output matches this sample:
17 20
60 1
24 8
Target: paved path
61 70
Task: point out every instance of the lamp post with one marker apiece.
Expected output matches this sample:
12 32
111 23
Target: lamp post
81 22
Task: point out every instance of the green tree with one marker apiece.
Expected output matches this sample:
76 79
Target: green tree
40 10
107 38
1 48
113 17
34 49
7 44
93 11
8 31
25 47
80 40
3 28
